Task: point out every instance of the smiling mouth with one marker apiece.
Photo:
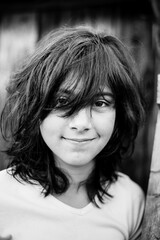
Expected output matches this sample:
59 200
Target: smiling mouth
79 140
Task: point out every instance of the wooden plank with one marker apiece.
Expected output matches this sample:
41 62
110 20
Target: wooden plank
151 222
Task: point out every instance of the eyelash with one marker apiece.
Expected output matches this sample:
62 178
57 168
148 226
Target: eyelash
62 101
103 103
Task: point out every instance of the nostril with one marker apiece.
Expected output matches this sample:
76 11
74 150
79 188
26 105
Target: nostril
81 121
80 128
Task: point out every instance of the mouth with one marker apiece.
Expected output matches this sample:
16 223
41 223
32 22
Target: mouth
79 140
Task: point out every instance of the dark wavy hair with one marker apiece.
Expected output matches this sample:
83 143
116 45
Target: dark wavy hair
97 59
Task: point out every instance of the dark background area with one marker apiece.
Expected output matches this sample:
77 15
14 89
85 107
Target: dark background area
23 23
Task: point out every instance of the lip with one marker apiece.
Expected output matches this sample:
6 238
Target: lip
79 140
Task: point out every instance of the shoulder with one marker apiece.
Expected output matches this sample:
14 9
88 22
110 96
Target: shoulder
124 184
129 195
129 200
5 177
129 192
8 187
8 183
12 187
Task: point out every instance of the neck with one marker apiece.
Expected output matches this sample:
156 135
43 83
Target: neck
76 195
77 174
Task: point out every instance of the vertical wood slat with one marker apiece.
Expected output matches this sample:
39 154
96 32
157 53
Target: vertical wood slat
151 222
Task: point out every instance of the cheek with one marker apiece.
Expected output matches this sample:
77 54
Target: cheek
51 126
105 124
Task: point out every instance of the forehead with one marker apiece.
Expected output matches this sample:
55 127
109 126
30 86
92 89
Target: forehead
74 82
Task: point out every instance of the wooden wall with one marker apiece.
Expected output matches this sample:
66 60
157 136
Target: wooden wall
19 31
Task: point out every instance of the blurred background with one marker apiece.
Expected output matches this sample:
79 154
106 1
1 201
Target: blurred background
23 23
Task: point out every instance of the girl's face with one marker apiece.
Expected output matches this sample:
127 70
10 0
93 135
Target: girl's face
76 140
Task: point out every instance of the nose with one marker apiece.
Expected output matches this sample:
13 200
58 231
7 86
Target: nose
81 121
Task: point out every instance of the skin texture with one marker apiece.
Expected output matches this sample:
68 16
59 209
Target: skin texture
76 140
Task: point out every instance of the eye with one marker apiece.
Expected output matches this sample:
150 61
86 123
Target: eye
101 103
61 101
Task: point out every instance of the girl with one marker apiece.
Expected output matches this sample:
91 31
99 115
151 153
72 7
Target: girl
73 112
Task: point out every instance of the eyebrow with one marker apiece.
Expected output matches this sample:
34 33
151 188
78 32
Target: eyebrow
105 93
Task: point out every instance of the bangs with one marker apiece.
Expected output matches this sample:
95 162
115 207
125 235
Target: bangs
89 68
